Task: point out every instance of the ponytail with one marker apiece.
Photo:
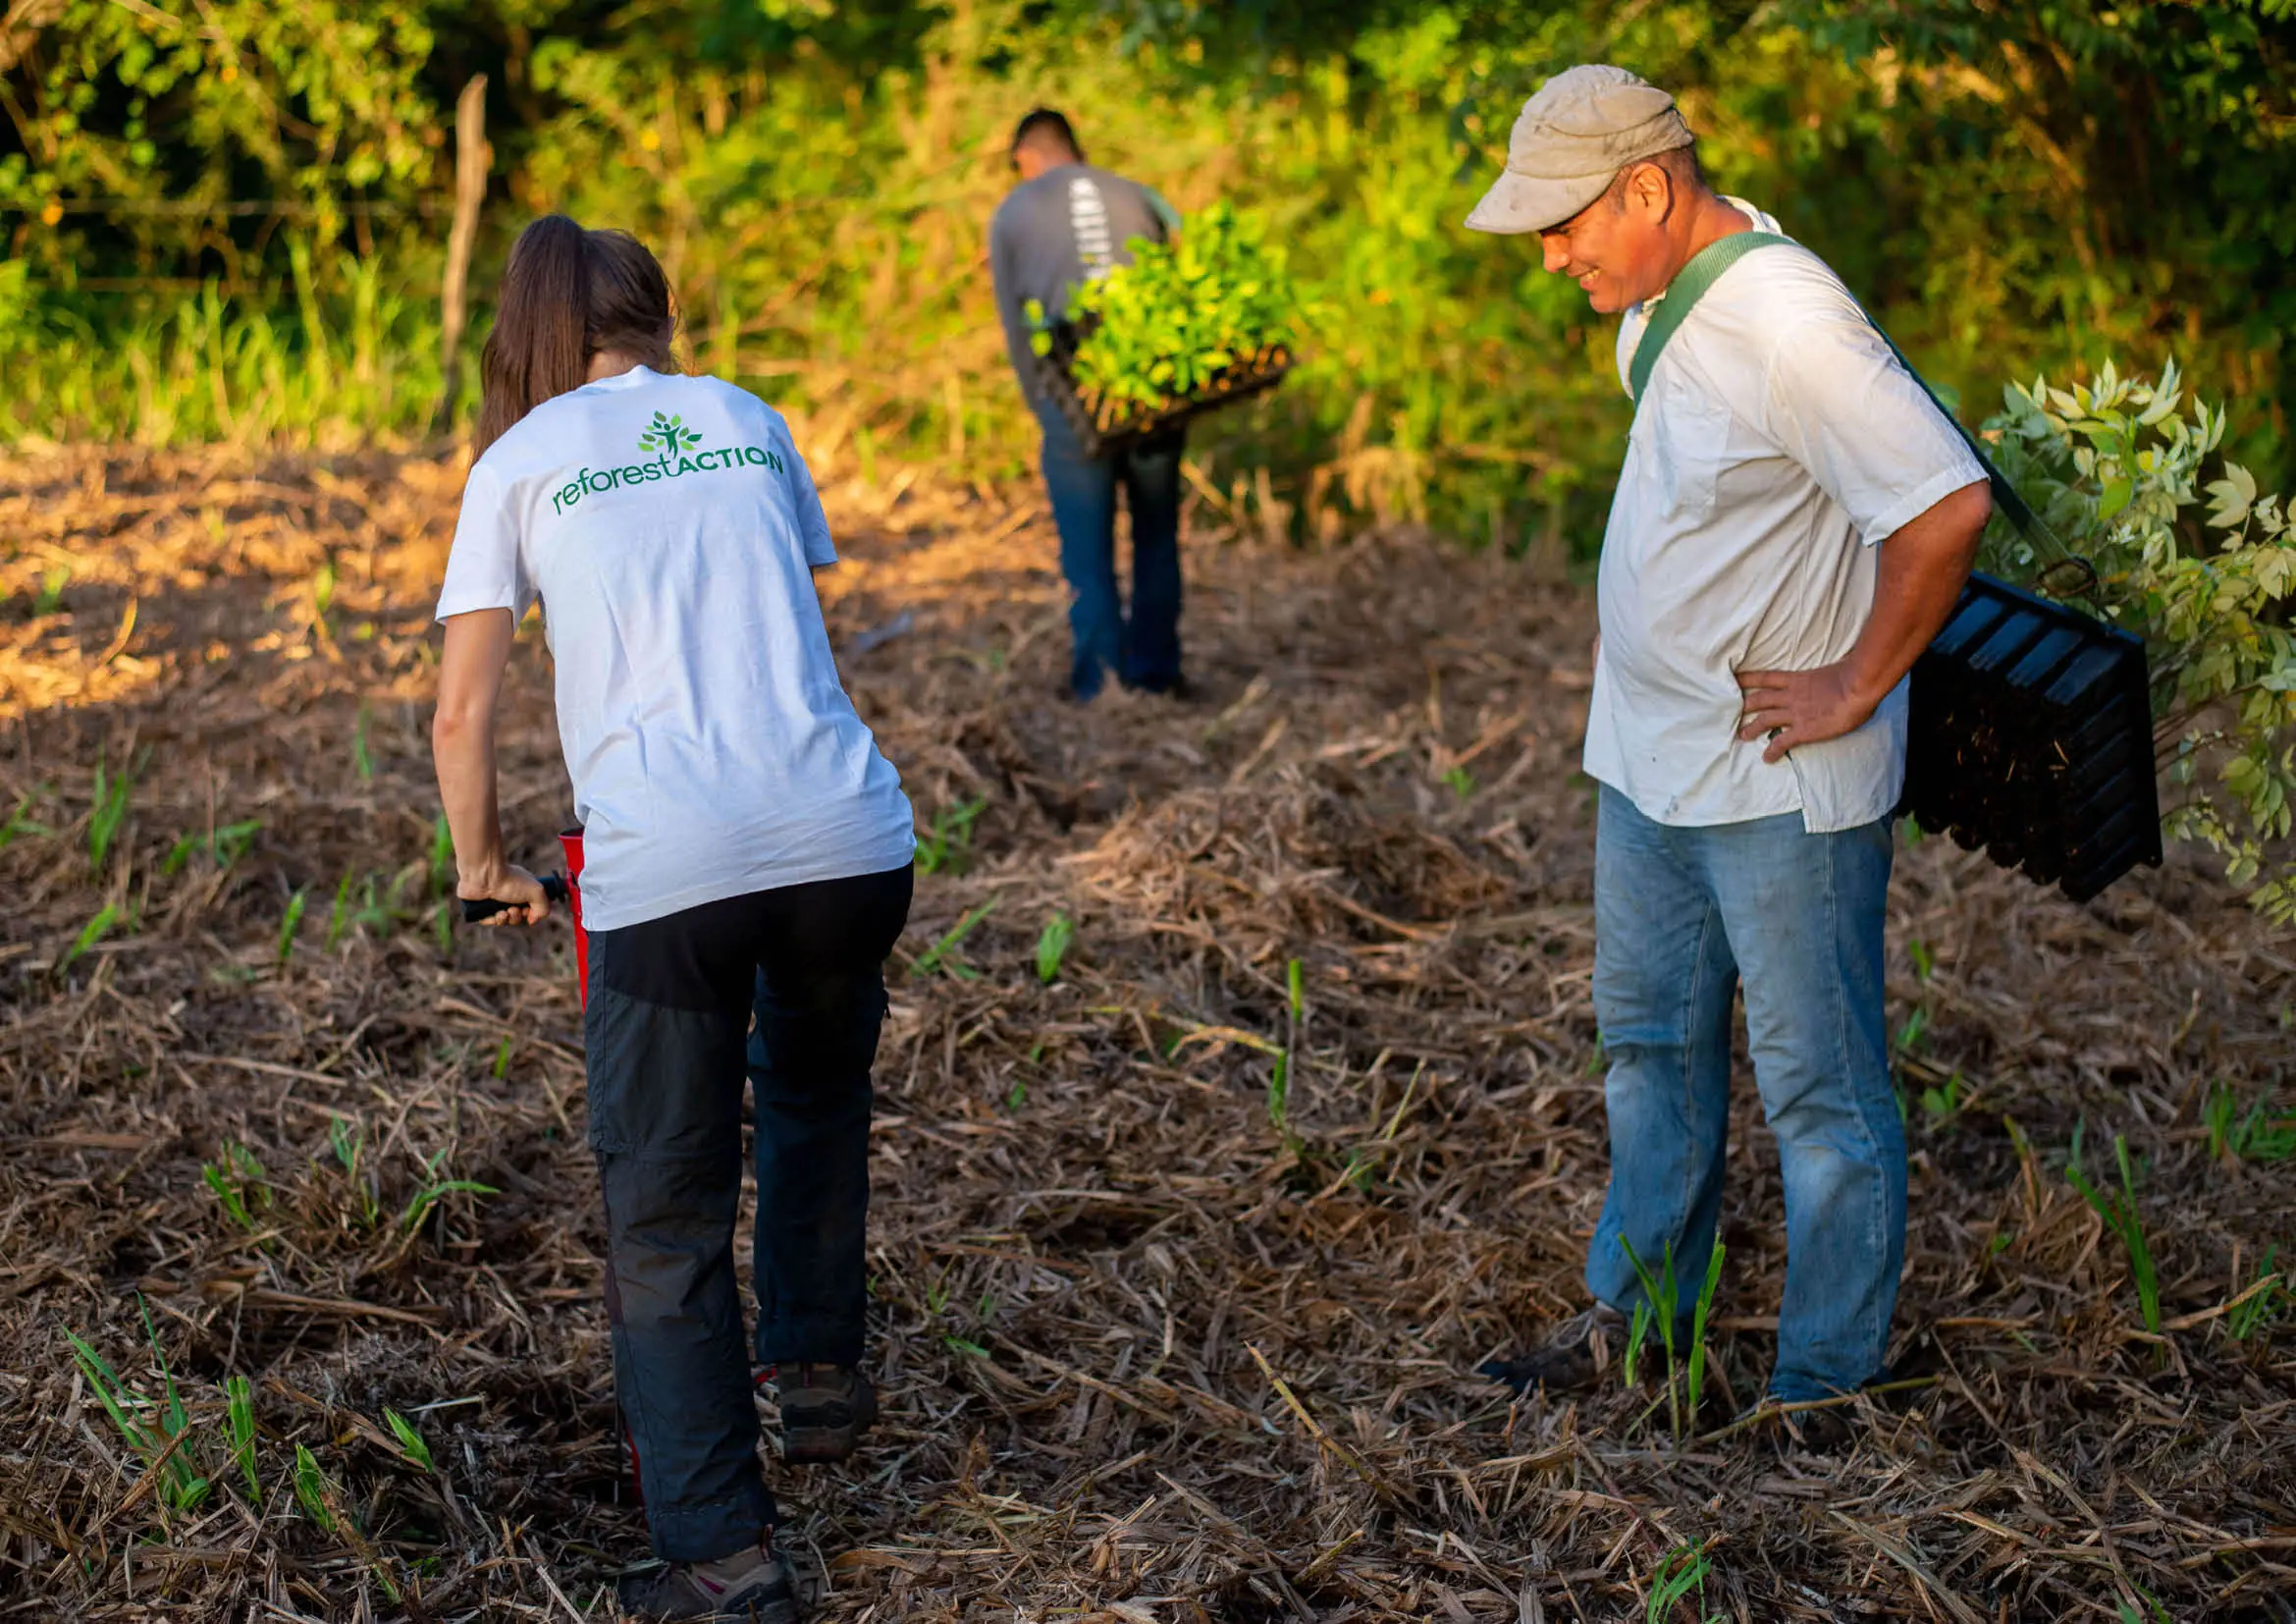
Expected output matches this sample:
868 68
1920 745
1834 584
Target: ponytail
567 295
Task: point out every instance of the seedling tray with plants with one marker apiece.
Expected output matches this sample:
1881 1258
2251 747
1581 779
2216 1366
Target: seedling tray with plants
2031 735
1182 329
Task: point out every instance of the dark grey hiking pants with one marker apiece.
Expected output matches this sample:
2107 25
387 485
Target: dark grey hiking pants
670 1002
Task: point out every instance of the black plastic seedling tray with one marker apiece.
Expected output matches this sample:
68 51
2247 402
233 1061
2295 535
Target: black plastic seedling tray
1096 437
2031 735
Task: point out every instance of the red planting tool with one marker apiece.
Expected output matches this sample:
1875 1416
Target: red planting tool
566 889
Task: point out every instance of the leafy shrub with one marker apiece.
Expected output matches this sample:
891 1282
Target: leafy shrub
2113 467
1163 327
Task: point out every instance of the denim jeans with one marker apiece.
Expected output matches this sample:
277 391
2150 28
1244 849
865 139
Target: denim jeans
670 1001
1144 649
1683 916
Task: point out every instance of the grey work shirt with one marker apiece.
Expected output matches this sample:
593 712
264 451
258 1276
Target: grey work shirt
1068 224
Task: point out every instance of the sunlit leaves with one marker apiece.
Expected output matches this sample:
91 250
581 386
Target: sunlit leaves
1164 326
2115 467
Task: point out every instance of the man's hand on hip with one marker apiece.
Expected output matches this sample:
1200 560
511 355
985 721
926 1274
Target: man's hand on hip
1917 583
1800 707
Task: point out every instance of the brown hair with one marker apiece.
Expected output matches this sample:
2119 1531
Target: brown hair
567 295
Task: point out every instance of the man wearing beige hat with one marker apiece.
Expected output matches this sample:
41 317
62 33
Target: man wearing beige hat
1793 524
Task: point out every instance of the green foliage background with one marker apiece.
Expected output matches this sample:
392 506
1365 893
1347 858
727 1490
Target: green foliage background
227 217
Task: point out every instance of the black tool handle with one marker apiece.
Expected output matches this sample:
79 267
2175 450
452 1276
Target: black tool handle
478 908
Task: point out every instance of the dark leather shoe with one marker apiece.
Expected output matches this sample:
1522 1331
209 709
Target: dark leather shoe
825 1410
1571 1360
748 1588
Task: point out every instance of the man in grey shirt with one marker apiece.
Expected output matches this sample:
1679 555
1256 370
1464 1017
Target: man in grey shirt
1067 223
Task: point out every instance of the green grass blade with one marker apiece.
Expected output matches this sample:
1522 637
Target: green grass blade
240 1426
1052 947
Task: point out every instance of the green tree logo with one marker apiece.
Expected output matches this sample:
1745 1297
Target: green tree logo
669 434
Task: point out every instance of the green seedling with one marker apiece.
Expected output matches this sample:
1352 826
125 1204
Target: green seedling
1924 966
362 762
1279 1094
238 1415
2253 1136
2152 1613
2257 1306
182 1488
1052 947
2118 1210
937 1298
228 844
1662 1296
442 858
338 916
51 594
240 1183
347 1138
942 955
1460 782
1943 1103
231 841
1694 1380
1680 1572
969 1349
1177 317
1016 1096
312 1488
322 590
95 931
19 825
108 812
410 1442
292 922
502 1059
947 844
1295 990
1638 1334
1917 1028
434 1190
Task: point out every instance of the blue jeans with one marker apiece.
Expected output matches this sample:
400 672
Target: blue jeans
1142 651
1682 917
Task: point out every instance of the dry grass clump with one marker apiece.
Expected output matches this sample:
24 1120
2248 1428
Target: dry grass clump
1188 1232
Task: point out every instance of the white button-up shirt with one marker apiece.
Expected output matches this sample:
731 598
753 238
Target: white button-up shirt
1777 442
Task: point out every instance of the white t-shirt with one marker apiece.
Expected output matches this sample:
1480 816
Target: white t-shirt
1778 441
671 530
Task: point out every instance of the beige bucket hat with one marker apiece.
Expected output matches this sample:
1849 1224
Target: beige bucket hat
1573 138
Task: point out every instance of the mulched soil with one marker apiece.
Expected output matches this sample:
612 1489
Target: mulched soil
1160 1338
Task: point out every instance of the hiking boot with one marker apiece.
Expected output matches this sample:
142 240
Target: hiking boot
749 1587
1571 1360
825 1410
1780 1431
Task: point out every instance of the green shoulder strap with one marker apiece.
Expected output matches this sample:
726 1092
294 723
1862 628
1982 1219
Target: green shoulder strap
1706 267
1686 290
2013 507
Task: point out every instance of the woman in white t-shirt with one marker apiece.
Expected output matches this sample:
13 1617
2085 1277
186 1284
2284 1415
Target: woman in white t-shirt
745 843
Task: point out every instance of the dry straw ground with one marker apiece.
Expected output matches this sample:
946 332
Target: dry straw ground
1152 1354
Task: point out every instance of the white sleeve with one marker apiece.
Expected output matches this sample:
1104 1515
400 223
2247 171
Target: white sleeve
484 569
1839 403
813 525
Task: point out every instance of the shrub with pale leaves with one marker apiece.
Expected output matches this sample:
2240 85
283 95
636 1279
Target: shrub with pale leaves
2115 467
